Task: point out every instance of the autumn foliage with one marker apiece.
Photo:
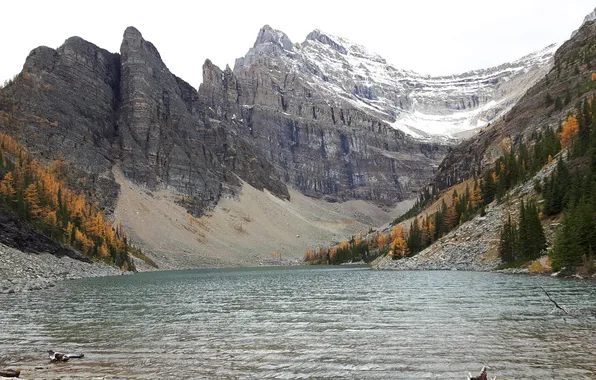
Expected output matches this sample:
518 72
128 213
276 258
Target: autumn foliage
569 131
35 192
353 250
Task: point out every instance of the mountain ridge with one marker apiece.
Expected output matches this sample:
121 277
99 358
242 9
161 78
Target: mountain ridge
404 99
277 121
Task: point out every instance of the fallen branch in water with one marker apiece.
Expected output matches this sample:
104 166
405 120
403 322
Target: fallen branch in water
10 372
553 301
60 357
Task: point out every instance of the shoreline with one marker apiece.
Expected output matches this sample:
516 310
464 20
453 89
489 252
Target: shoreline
24 272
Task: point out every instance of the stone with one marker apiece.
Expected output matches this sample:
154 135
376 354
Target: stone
97 109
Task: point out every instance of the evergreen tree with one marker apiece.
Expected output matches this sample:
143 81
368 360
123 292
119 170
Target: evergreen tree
524 233
415 238
549 100
566 249
558 104
508 242
537 239
488 188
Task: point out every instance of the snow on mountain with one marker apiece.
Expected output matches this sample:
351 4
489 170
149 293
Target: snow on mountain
423 106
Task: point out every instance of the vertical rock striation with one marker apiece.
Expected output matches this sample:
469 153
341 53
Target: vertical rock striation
97 109
321 146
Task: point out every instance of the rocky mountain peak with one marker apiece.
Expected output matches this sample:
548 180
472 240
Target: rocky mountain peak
344 46
40 58
132 33
267 35
590 16
133 40
318 35
269 43
440 108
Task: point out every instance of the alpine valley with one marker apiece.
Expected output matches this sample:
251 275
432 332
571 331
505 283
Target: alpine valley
301 145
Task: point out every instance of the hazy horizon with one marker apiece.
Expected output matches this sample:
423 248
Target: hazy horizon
429 37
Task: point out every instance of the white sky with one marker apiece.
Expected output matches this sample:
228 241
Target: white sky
430 37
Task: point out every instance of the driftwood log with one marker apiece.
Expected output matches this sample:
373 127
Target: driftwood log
61 357
482 376
10 372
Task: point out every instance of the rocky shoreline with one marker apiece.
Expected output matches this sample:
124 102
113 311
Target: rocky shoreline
472 246
23 272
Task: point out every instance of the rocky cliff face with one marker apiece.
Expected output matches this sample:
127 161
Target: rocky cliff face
63 105
326 116
569 80
164 142
425 107
96 109
337 121
322 145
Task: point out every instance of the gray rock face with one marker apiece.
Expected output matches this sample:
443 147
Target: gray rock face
64 105
323 116
159 139
428 108
337 121
323 147
589 17
321 150
99 109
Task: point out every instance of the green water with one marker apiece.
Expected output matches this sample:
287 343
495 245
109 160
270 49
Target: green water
297 323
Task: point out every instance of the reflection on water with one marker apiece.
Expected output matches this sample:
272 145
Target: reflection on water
348 323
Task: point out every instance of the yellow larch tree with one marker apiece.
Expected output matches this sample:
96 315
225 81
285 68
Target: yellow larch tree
382 240
399 247
570 130
332 254
32 200
397 231
7 187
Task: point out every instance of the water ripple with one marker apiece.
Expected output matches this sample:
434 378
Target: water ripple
289 323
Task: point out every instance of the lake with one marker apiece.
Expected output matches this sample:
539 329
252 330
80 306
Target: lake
300 323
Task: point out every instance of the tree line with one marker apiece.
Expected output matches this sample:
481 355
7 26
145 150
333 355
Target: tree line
569 190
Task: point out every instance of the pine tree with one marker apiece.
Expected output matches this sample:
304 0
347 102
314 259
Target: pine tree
523 231
566 249
508 242
549 100
488 188
537 239
415 238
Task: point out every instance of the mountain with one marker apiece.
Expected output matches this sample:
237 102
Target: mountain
566 83
425 107
338 122
97 109
273 143
534 165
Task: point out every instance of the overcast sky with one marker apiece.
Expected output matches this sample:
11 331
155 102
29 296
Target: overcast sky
431 37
